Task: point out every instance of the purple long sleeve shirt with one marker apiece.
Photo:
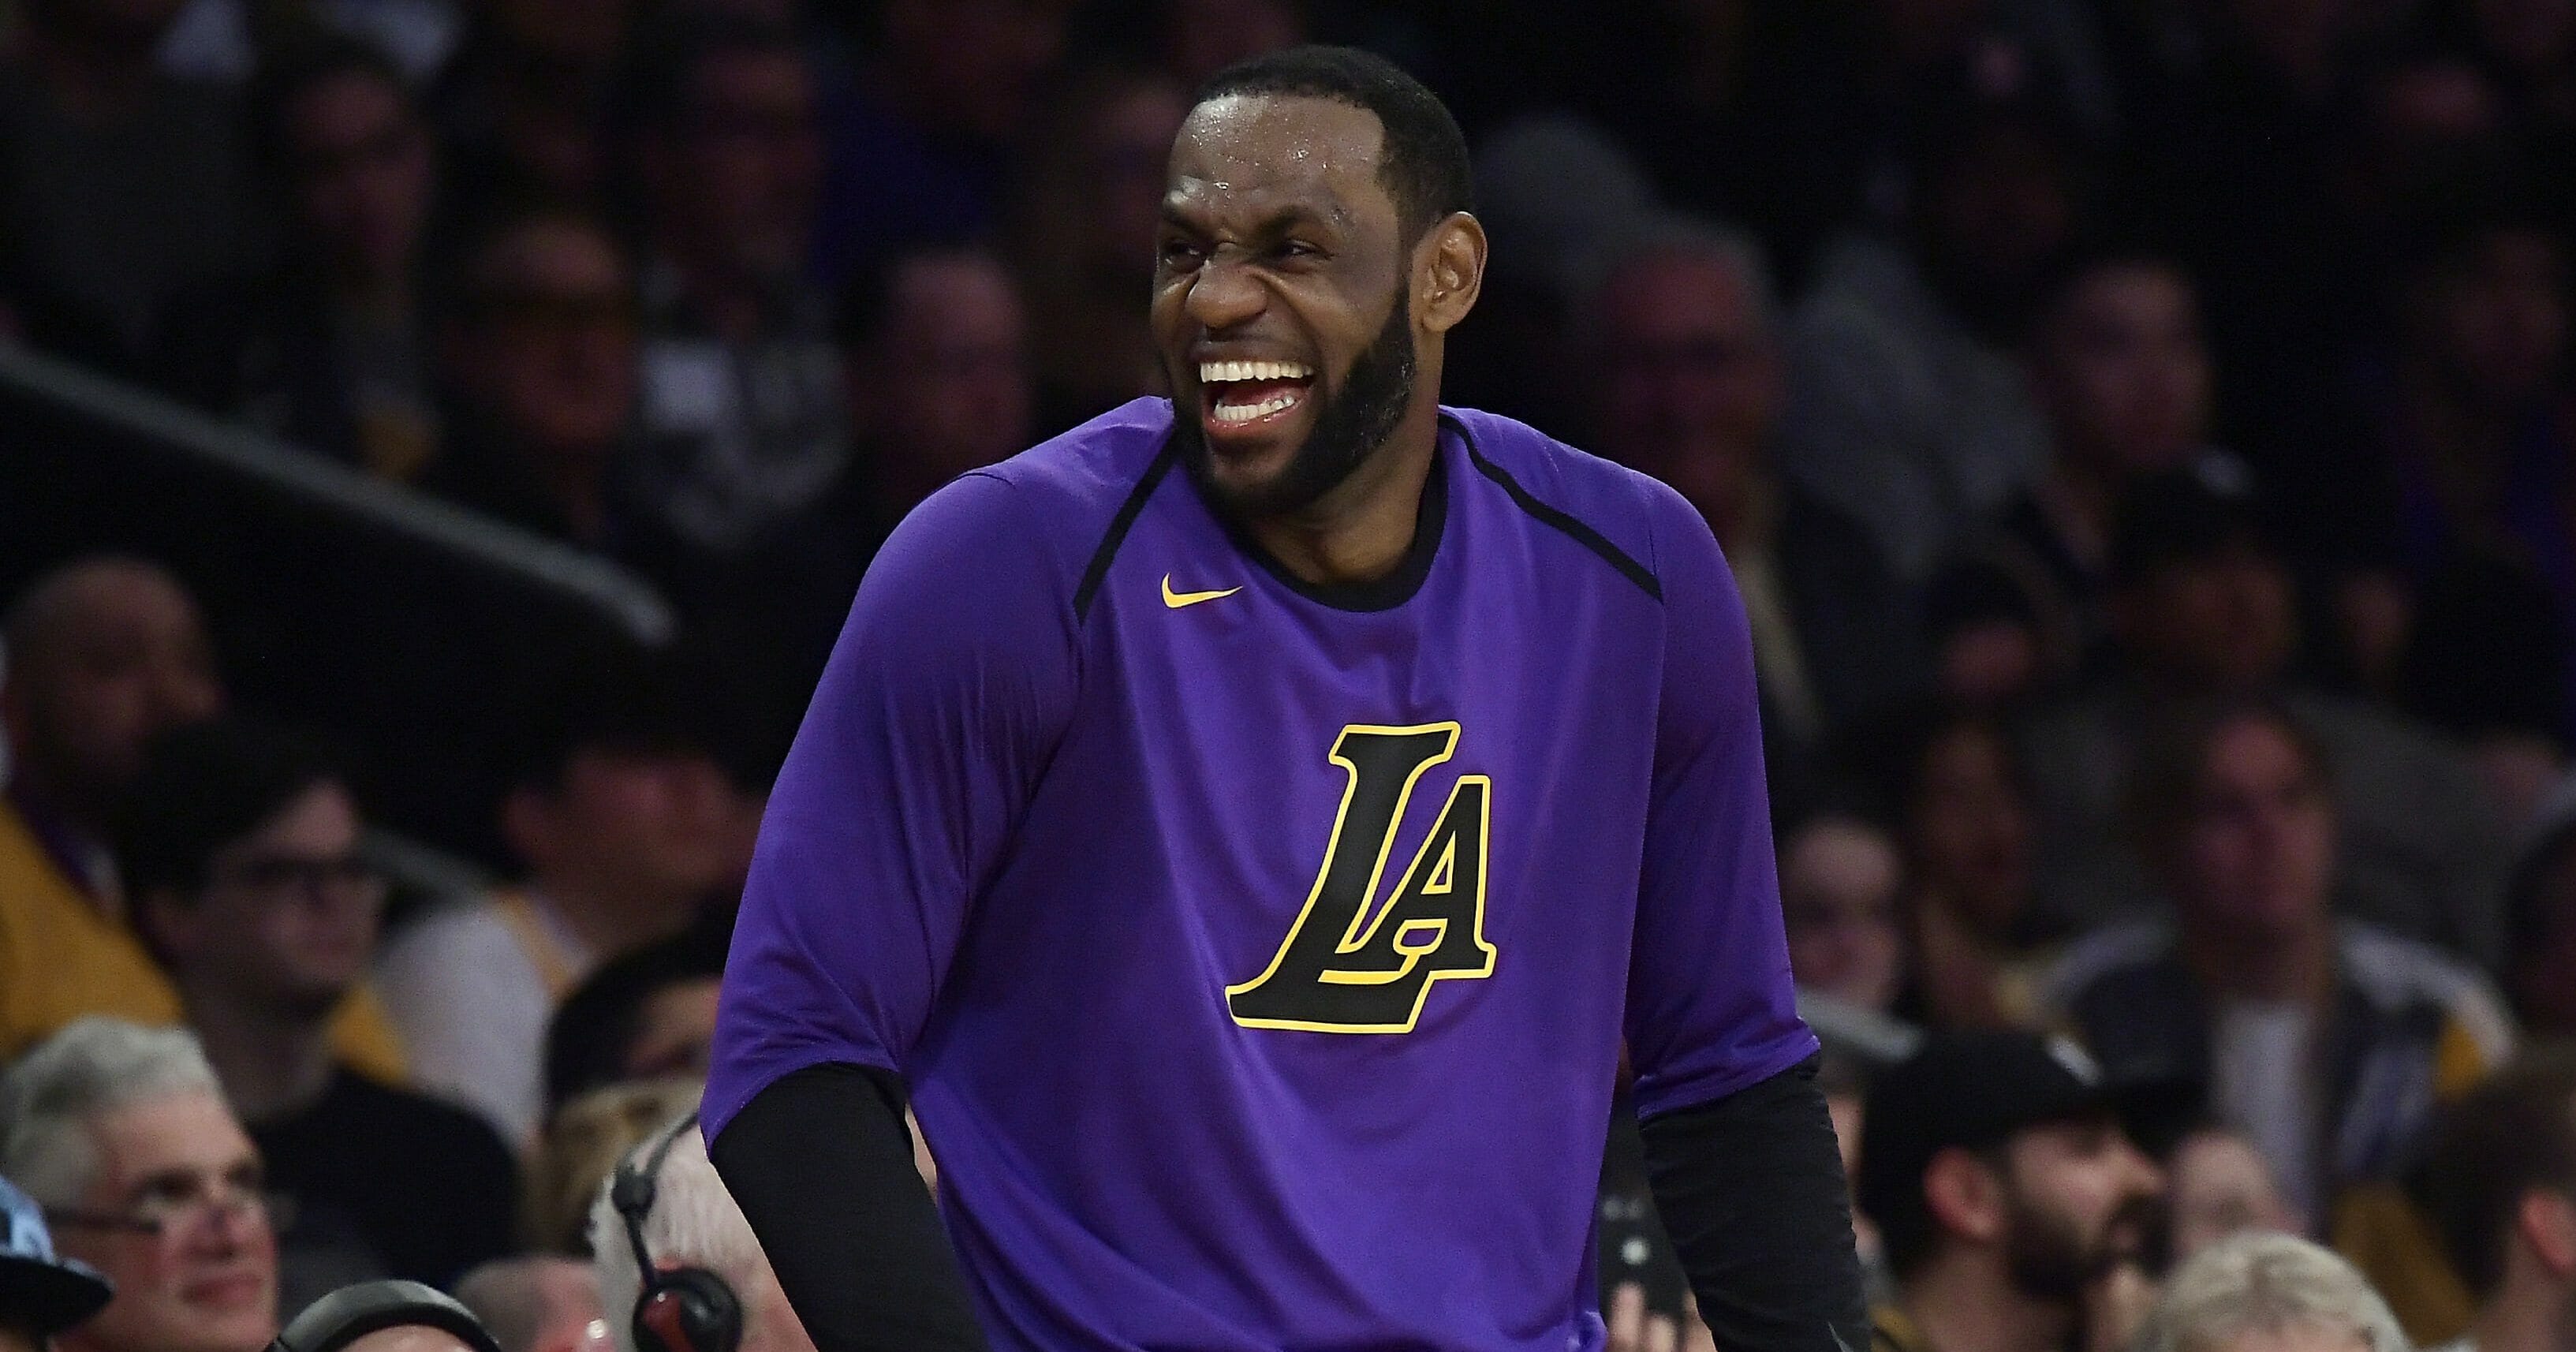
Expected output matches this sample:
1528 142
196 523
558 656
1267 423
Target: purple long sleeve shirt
1259 955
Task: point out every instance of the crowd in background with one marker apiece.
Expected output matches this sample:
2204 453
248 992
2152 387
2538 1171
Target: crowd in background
2141 432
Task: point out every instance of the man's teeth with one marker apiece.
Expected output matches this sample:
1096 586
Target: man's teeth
1235 413
1217 372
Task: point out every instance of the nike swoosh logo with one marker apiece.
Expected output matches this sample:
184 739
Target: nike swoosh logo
1176 600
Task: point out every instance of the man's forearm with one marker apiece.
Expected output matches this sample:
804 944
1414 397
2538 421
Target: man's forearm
821 1164
1751 1189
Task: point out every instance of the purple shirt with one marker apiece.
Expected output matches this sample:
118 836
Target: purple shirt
1258 955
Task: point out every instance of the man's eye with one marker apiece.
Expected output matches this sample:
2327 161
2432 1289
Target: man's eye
1180 252
1299 249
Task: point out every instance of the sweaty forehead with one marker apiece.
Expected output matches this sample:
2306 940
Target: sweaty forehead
1269 151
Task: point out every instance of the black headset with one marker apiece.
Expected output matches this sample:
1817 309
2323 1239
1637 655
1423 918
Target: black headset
688 1309
353 1312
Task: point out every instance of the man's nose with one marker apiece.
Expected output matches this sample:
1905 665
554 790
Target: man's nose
1224 295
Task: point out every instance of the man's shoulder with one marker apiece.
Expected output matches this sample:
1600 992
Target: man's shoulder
1092 468
1613 510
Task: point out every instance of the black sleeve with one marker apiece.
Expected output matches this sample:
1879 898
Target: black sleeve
821 1164
1751 1189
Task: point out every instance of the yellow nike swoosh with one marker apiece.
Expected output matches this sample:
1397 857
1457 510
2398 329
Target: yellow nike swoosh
1176 600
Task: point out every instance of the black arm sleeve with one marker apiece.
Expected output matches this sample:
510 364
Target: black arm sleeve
821 1164
1751 1189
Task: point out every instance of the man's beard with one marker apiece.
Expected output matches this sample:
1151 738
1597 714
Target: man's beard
1349 425
2047 1257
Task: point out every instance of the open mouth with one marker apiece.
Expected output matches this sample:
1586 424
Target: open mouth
1243 393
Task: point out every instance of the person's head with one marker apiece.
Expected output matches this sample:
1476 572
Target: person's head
579 1148
1966 809
239 848
2500 1186
731 151
2199 598
1998 1152
41 1293
536 1303
2270 1293
2118 367
971 68
1839 877
645 1016
122 1135
936 347
619 805
1678 325
2486 315
104 655
2220 1186
1315 252
1996 192
2233 807
385 1315
352 159
543 345
684 1218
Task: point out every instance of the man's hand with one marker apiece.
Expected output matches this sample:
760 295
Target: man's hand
1632 1329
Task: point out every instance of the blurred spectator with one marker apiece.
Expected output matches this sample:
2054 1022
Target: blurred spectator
331 353
540 358
2203 608
624 822
387 1314
742 413
2121 378
2267 1292
580 1148
41 1294
121 1134
936 355
241 847
685 1218
2501 1186
537 1304
2540 920
1677 330
2219 1187
1082 236
2013 1209
1839 882
522 110
2474 444
1202 37
918 148
2326 1042
105 654
1975 935
1906 407
646 1016
123 185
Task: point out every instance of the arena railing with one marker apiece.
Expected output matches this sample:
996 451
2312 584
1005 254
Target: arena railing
417 634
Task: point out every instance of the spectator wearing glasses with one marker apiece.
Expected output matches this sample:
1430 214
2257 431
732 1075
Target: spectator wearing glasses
121 1134
242 848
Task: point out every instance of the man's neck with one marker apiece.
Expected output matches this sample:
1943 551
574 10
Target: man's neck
609 920
1361 530
95 81
2295 969
272 1064
1964 1302
2530 1314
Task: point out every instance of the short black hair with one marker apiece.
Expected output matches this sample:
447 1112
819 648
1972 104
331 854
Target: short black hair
1423 163
593 1031
2512 1135
206 786
294 70
612 700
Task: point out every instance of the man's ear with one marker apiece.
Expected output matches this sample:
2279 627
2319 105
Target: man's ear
1450 272
1965 1196
2546 1220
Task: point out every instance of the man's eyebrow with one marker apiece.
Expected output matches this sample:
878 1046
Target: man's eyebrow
1276 223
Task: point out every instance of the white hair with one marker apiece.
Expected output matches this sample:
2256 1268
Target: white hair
693 1221
94 1065
2266 1283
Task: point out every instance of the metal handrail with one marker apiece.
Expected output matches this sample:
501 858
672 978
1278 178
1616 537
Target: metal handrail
580 578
